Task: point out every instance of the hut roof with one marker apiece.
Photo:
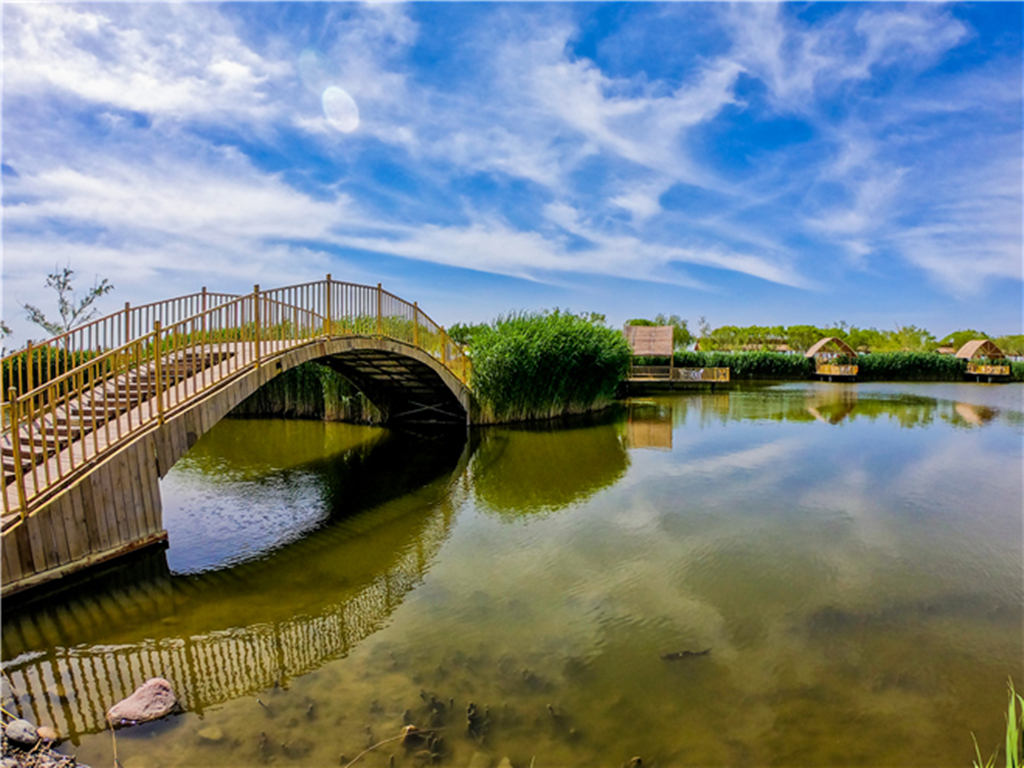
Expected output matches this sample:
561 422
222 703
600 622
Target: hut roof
979 348
841 346
650 340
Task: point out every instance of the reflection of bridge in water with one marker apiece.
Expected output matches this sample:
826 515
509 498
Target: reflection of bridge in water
72 687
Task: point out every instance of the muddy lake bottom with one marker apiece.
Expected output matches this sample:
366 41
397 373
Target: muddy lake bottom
849 556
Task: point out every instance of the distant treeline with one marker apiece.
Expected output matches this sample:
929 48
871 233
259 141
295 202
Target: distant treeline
799 338
877 366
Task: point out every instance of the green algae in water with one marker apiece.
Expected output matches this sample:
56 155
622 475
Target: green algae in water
850 555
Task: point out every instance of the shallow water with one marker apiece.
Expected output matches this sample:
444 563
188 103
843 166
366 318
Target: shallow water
850 554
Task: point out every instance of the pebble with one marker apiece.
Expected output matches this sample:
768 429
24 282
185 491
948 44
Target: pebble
480 760
505 763
47 733
22 733
212 734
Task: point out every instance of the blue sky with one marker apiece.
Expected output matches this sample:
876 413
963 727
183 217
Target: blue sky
749 163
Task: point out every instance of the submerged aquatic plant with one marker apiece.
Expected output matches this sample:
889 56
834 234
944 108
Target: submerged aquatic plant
1014 734
538 365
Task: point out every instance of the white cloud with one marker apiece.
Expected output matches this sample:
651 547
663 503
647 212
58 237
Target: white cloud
795 60
178 61
171 199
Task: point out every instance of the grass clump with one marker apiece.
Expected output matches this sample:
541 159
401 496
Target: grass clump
540 365
1014 735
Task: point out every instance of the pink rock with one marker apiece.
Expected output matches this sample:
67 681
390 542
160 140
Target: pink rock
151 701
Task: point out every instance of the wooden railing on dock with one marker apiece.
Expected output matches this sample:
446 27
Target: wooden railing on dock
987 369
829 369
82 395
667 373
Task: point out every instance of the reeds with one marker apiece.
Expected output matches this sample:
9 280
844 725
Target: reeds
750 365
540 365
310 391
1014 733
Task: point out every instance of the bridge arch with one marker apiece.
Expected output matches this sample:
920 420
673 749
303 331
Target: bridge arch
401 380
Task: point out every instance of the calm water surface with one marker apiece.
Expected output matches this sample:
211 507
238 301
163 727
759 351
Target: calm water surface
850 554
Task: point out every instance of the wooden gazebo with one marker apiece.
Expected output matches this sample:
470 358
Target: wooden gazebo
651 341
984 358
656 341
829 355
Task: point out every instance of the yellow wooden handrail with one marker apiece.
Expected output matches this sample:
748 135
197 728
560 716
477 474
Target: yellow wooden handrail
109 395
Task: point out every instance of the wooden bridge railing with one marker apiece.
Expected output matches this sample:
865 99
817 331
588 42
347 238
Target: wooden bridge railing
87 392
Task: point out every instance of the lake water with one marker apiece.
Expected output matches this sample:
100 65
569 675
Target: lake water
849 556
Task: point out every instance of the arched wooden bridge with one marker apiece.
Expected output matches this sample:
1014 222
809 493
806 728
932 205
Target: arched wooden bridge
93 418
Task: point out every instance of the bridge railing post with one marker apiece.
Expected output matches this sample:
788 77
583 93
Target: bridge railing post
327 305
203 340
380 313
256 322
158 365
415 324
444 347
19 475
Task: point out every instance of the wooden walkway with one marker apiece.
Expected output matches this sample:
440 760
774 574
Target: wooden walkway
657 378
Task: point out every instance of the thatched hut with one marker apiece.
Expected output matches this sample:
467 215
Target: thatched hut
832 358
650 341
655 341
984 358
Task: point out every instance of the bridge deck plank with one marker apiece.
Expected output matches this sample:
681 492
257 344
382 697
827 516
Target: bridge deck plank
24 547
59 532
138 470
115 488
35 538
124 495
10 569
78 538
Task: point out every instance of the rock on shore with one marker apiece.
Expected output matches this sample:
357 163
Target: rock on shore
152 700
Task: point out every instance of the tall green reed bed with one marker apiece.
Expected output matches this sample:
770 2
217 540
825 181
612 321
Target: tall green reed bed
309 391
540 365
910 366
876 366
750 365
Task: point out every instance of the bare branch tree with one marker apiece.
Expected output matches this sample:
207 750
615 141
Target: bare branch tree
73 311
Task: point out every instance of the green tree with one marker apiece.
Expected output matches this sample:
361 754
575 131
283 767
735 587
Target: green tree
1011 345
72 310
958 338
914 339
681 336
802 337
